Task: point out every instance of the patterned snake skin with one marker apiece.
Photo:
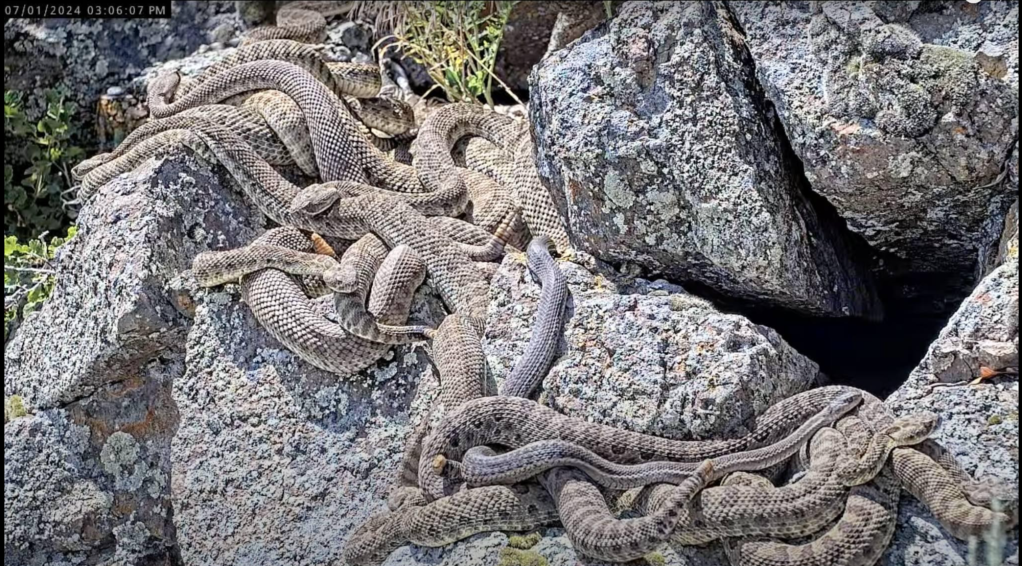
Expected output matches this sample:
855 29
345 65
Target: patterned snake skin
514 422
282 307
343 153
547 327
302 21
483 466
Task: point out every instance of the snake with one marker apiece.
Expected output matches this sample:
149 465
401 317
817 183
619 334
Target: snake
357 84
858 538
342 151
547 326
302 20
867 523
513 422
447 125
483 466
326 124
267 271
715 512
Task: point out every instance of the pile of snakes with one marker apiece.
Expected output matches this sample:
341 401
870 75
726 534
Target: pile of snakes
464 191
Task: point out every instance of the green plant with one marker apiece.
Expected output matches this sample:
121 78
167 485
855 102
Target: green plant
457 43
38 156
28 276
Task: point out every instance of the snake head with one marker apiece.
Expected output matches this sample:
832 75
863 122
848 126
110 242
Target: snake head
843 404
386 115
163 87
316 199
341 279
913 429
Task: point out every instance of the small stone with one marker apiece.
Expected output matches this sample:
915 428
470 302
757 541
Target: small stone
222 33
337 53
115 92
355 35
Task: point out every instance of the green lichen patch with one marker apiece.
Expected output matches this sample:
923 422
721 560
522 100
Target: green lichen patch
515 557
655 559
524 542
14 408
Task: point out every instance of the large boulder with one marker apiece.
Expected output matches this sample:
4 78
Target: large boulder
653 134
87 477
162 418
903 114
979 423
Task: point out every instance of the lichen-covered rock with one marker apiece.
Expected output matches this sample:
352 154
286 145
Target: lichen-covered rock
150 433
109 315
656 138
276 462
979 424
900 116
663 362
89 55
75 493
96 363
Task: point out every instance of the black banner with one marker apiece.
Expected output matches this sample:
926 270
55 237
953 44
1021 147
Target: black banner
88 10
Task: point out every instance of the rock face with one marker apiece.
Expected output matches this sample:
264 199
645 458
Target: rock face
979 424
527 36
165 418
664 150
902 114
88 56
181 443
88 476
649 358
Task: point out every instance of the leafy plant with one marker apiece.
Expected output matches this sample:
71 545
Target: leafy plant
457 43
37 165
28 276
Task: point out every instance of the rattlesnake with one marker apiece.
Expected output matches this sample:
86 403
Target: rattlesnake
342 152
514 422
281 305
302 20
547 326
483 466
450 271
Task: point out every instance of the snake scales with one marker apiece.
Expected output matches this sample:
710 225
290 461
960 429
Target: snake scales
342 153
